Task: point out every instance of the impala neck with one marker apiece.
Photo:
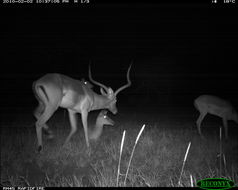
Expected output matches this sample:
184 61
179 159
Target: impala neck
100 102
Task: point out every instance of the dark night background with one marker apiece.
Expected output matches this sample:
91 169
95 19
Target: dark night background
179 51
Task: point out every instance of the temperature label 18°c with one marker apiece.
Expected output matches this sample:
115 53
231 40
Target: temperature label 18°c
230 1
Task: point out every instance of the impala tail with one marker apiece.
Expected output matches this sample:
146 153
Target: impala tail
41 96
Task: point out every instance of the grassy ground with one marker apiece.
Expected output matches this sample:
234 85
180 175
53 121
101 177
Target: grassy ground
157 160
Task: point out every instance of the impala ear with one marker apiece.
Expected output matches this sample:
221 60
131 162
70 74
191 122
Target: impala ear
103 92
110 93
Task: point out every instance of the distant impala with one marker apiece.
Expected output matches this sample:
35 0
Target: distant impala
216 106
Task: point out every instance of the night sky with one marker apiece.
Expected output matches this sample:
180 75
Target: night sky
177 51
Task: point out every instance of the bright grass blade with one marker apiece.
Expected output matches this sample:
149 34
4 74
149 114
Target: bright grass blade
118 168
138 136
184 160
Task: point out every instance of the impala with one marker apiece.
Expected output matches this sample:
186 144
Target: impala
102 119
57 90
213 105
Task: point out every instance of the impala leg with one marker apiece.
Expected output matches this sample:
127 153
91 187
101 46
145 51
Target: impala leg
226 127
37 114
73 124
41 122
199 121
84 116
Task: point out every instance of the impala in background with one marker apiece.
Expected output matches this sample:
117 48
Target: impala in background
57 90
216 106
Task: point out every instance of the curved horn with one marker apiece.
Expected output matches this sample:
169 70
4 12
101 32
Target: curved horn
128 81
93 81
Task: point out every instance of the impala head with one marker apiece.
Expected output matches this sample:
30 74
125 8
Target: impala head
112 99
108 93
104 119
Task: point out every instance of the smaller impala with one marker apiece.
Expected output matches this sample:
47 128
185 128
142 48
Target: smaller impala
216 106
102 119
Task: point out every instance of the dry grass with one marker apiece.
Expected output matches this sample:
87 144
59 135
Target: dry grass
158 158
